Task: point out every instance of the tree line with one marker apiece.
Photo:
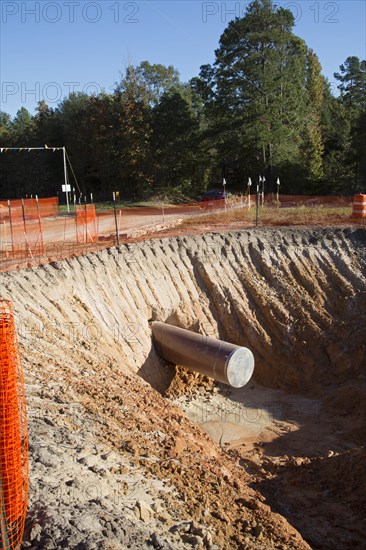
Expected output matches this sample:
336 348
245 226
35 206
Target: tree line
263 107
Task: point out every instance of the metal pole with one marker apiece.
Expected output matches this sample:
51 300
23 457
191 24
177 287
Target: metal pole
11 229
225 362
40 226
257 205
65 176
115 217
85 220
23 214
224 183
25 228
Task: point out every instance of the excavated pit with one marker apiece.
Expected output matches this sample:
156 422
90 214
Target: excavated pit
127 451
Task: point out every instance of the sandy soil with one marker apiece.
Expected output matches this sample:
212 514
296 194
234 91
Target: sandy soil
129 452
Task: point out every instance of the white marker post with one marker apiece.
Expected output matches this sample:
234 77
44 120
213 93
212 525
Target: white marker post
278 190
249 186
66 188
224 183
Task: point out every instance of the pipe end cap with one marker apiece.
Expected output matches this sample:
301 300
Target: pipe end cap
239 367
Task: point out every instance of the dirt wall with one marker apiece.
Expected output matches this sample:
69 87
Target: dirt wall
295 297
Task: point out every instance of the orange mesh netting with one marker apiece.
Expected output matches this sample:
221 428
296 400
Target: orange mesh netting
21 225
13 434
86 224
47 208
44 239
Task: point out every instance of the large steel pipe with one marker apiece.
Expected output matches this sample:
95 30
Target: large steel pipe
228 363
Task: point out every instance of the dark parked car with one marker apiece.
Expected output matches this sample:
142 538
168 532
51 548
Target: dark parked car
213 195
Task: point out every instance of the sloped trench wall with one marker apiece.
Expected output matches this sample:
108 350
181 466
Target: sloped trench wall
295 297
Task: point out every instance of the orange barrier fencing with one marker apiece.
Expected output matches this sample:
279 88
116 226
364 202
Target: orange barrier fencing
28 209
42 239
13 435
86 224
21 222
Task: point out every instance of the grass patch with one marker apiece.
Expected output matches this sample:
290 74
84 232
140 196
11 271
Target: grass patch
274 215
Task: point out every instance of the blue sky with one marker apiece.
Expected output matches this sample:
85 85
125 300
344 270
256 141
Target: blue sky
51 47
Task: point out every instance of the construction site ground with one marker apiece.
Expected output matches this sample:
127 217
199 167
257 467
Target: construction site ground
127 451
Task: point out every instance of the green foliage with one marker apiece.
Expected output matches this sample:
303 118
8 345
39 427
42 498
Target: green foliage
174 141
132 153
313 142
147 83
352 77
5 126
22 127
157 80
352 86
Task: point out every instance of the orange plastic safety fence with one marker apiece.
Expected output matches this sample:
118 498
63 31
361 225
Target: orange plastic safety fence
46 208
13 435
23 244
22 224
86 224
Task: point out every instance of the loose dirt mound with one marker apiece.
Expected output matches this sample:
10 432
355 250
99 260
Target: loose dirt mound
113 463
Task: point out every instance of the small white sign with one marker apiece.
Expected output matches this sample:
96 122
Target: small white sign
66 188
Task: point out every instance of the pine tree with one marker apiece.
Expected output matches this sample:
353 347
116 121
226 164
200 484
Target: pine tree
352 77
313 146
255 94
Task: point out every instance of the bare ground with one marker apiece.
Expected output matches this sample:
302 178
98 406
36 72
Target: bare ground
119 455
